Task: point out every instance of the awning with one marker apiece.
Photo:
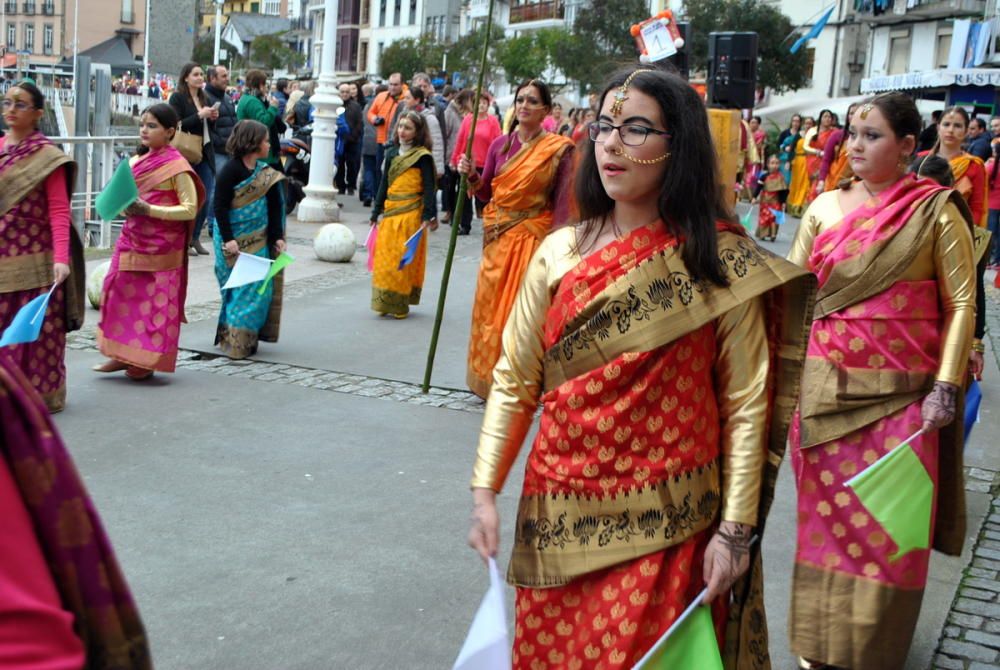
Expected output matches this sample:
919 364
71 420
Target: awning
932 79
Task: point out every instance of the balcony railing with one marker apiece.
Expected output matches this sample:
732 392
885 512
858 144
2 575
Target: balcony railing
538 11
48 8
10 7
29 7
923 9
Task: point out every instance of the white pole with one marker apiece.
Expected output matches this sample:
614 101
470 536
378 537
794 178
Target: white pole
320 204
145 48
218 29
76 37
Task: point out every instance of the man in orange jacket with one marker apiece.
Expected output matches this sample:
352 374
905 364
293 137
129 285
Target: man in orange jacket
380 115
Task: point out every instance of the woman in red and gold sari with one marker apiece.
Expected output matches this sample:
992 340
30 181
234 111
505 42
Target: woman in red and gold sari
38 246
969 171
835 166
815 147
142 304
645 332
526 181
887 356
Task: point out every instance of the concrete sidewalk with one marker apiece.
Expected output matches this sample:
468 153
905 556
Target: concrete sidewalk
308 509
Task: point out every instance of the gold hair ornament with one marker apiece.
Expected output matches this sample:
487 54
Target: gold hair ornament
866 109
620 94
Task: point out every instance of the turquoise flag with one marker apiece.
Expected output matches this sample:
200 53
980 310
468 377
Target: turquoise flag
814 31
746 219
27 323
120 192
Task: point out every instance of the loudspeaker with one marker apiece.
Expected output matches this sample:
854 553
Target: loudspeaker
732 70
680 59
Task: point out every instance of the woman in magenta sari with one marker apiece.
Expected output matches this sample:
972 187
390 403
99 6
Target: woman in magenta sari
886 358
142 305
38 246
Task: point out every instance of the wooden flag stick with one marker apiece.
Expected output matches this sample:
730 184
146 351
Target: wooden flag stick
456 218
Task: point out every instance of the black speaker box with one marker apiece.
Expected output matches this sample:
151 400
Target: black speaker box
732 70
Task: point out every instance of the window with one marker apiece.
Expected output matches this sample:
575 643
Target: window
29 37
399 12
11 36
413 12
943 48
381 14
255 7
272 7
47 35
899 51
363 57
365 13
128 15
810 62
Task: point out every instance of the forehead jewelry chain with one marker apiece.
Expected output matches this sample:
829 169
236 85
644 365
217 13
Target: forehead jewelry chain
621 94
866 109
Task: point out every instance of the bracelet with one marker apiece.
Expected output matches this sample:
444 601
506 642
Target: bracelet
978 347
473 178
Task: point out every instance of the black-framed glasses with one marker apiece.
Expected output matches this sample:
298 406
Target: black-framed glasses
632 134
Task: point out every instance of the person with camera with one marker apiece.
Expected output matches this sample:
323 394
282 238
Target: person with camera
380 115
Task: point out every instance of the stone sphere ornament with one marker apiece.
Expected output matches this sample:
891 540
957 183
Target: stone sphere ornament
335 243
95 284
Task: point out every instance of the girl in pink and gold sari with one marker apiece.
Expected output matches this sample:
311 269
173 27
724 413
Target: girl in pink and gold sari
142 305
886 358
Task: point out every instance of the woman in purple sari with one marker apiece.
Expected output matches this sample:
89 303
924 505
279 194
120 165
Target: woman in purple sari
142 304
38 246
64 602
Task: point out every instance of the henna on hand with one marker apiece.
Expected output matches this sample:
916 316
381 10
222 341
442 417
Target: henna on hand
938 409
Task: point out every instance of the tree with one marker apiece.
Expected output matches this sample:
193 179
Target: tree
777 69
530 54
272 53
204 51
411 55
600 42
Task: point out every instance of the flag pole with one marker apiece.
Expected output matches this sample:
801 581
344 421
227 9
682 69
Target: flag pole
456 218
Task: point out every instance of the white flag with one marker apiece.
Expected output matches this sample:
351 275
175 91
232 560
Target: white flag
248 269
487 647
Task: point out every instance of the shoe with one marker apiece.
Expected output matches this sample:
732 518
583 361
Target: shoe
366 203
110 365
192 251
350 191
399 316
464 231
135 373
199 248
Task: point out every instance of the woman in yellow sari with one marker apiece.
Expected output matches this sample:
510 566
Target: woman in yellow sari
526 181
408 184
798 191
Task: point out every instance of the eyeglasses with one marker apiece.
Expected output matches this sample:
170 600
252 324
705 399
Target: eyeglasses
632 134
19 106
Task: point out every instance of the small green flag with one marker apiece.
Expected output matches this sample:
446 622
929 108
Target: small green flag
277 266
692 646
118 194
746 218
898 492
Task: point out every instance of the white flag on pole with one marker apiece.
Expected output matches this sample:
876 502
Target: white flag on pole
487 646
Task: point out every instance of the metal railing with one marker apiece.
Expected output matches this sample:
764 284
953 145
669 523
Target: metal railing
48 8
29 7
10 7
104 154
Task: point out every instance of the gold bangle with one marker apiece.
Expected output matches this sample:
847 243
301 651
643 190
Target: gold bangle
978 347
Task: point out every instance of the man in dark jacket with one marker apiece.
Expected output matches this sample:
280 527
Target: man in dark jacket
349 164
979 139
218 82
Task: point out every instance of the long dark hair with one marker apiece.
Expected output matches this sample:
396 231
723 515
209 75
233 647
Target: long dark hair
933 167
900 113
246 138
853 107
422 138
184 89
165 115
691 199
543 91
951 110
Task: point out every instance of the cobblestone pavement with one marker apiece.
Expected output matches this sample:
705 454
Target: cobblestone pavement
971 637
326 380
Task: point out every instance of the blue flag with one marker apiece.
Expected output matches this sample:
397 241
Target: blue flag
972 399
411 248
779 216
27 323
814 31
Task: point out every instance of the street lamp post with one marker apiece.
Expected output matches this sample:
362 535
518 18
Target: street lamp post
218 29
145 48
320 203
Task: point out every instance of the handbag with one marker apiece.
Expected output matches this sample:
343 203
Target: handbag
189 144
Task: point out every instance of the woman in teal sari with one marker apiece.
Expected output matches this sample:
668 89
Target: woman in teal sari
249 218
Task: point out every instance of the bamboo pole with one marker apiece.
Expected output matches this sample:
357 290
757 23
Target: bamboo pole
456 218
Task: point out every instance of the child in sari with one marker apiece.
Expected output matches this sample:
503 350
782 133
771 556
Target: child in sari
773 193
408 183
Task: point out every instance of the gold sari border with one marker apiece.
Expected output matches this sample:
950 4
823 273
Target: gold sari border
26 272
561 536
657 302
132 261
256 189
402 163
149 360
30 172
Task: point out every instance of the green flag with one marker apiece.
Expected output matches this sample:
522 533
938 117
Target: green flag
898 492
119 193
746 218
692 646
277 266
